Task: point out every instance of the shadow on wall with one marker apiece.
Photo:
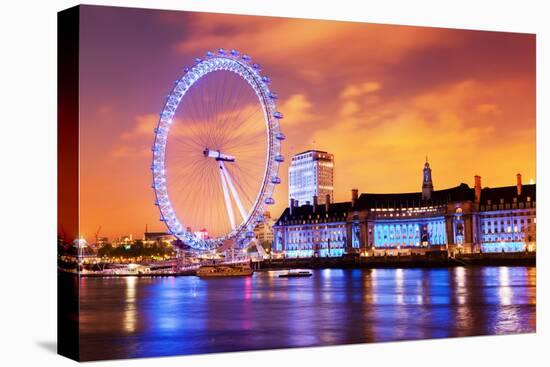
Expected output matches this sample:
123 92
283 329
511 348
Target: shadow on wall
48 345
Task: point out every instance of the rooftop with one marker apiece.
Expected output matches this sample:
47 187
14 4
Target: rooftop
461 192
508 193
311 151
367 201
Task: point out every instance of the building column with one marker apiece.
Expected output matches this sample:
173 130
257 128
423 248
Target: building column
468 226
363 236
349 237
449 229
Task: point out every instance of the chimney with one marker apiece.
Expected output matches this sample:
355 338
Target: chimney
327 202
354 194
519 185
291 205
314 203
296 203
477 187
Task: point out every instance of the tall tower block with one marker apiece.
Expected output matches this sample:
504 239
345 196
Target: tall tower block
311 174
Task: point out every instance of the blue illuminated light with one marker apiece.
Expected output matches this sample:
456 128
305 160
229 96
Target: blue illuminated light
408 233
503 246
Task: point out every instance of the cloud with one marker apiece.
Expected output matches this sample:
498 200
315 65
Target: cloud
356 90
306 47
144 126
488 108
138 140
104 109
368 139
126 151
297 109
356 96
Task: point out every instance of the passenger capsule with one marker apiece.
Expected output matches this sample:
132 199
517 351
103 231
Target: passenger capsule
269 201
221 51
209 54
234 53
280 136
256 67
278 115
266 79
245 57
276 180
198 60
273 95
250 234
279 158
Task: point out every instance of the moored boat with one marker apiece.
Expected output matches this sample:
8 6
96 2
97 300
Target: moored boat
214 271
296 274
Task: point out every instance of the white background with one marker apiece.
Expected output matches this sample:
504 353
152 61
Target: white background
28 182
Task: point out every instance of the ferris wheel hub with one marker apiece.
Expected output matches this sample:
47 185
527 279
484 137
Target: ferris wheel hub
218 155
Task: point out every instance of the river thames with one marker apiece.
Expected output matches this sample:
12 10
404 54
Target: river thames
161 316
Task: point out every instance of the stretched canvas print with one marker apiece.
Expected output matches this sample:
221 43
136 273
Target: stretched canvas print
235 183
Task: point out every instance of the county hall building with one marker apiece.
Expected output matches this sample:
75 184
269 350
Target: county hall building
458 219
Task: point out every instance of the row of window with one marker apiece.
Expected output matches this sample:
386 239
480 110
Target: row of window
318 246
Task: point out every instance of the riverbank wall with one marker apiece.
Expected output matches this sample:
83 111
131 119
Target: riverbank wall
441 260
436 260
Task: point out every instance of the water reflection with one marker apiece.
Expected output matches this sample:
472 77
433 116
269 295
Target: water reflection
505 291
138 317
130 313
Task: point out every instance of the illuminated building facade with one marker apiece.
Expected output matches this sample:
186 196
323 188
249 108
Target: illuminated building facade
312 231
157 238
508 219
124 240
458 220
264 229
202 234
311 173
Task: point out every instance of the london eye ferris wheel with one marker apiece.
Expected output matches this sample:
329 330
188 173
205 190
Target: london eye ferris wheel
217 152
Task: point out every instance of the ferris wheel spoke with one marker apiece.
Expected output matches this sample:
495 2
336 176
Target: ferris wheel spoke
236 97
240 127
219 105
240 145
243 139
191 143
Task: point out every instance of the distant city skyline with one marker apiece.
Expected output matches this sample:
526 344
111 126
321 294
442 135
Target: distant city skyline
464 98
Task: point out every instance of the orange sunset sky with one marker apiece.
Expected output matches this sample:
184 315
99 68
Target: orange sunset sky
379 97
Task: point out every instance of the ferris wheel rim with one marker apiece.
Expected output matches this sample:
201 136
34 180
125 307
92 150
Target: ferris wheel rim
250 73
